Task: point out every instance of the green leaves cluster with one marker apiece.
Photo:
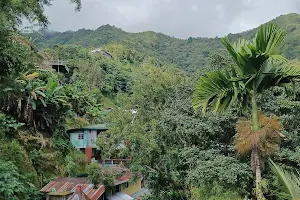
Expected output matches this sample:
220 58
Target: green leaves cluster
75 163
290 182
13 185
18 177
35 101
102 175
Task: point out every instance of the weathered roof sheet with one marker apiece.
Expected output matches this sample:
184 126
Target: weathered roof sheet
69 185
120 196
60 193
124 178
98 127
90 192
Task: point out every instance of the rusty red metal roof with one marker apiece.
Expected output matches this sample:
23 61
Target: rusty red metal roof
70 185
124 178
94 194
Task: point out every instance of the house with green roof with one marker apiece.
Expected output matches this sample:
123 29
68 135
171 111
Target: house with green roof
84 139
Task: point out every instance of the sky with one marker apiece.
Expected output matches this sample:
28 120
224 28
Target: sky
178 18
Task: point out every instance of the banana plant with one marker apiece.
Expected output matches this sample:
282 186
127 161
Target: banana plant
37 100
54 92
28 91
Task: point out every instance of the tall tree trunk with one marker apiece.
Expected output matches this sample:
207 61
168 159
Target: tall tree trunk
255 151
257 169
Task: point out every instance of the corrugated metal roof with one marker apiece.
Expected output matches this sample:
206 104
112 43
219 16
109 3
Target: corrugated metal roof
98 127
94 194
124 178
77 180
120 196
70 185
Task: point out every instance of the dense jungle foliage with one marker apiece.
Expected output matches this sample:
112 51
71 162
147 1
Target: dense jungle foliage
183 154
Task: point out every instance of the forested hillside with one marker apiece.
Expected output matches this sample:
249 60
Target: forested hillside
162 47
189 55
182 153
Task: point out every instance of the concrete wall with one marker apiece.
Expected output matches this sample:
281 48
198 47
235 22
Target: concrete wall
91 140
133 188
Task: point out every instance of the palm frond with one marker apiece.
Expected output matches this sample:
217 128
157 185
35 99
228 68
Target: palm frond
268 75
276 73
278 58
230 49
290 182
241 52
269 39
291 70
216 90
259 66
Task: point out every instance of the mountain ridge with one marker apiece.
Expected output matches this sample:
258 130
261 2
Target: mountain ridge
189 54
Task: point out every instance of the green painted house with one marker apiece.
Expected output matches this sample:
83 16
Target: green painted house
84 138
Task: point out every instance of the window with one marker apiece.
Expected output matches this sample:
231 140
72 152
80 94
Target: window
126 185
80 136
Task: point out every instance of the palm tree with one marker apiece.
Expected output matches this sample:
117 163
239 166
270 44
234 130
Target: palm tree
258 67
289 181
266 140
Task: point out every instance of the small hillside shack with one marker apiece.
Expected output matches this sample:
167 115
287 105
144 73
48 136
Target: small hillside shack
85 139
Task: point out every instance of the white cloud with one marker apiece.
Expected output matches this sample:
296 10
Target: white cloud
173 17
